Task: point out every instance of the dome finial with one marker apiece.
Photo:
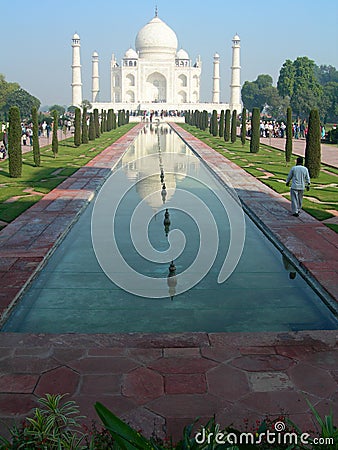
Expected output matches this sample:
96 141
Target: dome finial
156 11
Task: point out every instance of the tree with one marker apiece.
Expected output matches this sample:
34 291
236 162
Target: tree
221 124
36 145
91 133
114 120
298 81
77 127
84 126
288 142
214 127
312 149
60 109
86 104
110 120
6 89
227 125
286 79
96 123
261 94
14 143
243 127
23 100
55 142
102 121
255 132
234 126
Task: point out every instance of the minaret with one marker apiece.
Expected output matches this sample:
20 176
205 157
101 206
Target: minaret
235 86
95 77
215 78
76 72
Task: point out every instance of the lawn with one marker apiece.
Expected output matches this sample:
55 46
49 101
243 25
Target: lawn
18 194
319 201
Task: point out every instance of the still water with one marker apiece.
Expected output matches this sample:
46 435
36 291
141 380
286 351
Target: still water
75 293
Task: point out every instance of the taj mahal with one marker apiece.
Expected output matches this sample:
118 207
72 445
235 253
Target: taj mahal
156 75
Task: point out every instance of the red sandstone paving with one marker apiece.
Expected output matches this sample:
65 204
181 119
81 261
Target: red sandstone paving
165 381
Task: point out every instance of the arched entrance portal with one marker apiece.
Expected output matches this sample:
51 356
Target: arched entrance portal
156 88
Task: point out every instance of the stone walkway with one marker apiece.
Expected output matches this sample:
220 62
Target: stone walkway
329 152
165 381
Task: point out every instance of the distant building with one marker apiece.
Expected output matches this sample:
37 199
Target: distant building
157 76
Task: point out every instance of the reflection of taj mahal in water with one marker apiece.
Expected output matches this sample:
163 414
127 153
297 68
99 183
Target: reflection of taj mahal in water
156 75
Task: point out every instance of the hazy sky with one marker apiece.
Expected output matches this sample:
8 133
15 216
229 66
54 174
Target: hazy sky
36 38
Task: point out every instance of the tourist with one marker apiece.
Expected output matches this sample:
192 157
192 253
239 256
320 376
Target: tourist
300 180
5 140
2 152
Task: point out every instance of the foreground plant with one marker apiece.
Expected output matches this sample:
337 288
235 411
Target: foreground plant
54 426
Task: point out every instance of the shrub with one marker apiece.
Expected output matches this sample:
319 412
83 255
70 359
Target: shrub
243 127
84 134
14 143
234 126
312 149
96 123
77 128
221 124
36 145
91 134
55 142
254 141
227 125
288 142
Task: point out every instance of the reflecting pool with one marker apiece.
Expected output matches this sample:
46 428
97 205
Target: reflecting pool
150 224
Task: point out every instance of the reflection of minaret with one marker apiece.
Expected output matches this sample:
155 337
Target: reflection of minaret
95 77
76 72
215 89
235 86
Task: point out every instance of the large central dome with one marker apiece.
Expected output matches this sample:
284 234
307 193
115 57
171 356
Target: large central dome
156 41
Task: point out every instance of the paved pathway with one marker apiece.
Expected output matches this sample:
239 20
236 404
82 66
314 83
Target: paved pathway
44 141
329 152
165 381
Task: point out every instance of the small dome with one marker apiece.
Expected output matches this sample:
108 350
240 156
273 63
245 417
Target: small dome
236 38
182 54
156 40
131 54
216 55
76 36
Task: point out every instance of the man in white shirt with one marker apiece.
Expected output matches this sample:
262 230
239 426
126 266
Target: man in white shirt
300 180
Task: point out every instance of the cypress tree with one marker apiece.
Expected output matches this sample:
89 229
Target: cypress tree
84 126
77 127
214 123
91 133
36 145
288 142
14 143
55 142
204 120
114 120
227 125
243 127
109 120
119 118
102 121
234 126
127 116
255 132
96 123
221 124
312 149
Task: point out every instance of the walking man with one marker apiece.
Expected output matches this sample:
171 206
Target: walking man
300 180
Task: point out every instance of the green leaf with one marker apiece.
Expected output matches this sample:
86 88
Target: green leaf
126 437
